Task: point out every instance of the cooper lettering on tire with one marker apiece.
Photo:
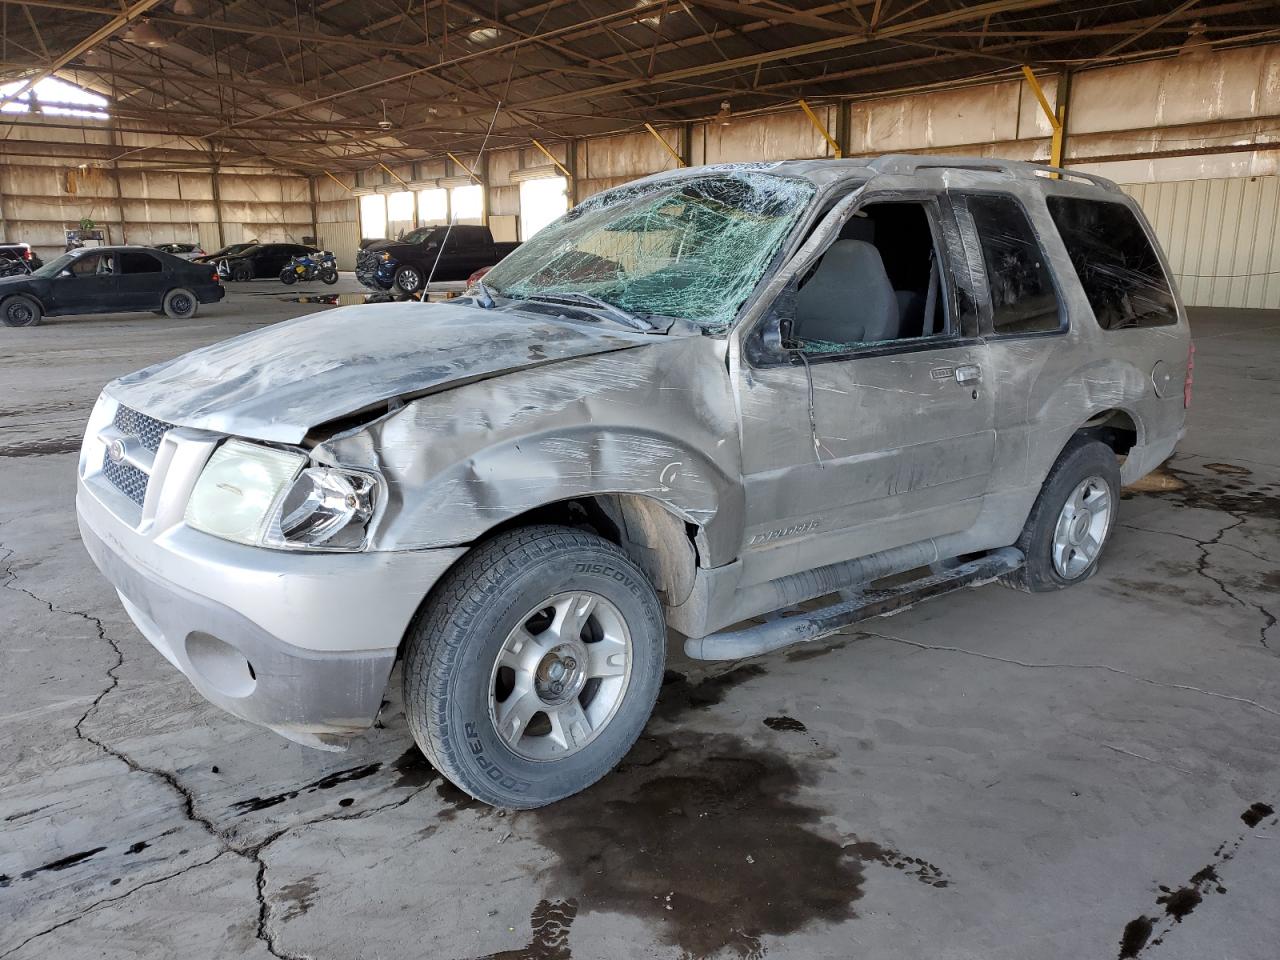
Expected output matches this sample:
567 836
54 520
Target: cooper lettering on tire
544 648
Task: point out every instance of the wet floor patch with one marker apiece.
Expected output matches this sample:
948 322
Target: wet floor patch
705 838
1178 903
1256 813
254 804
550 920
41 447
1226 489
336 299
785 724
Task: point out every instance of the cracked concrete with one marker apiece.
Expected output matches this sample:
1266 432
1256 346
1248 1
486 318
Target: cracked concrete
1064 761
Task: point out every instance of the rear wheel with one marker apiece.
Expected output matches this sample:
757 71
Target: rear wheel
1071 519
409 279
180 304
534 666
20 311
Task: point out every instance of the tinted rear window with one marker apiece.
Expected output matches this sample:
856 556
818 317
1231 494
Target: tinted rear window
1117 266
131 261
1023 299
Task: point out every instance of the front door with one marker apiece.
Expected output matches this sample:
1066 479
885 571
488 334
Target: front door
91 287
872 427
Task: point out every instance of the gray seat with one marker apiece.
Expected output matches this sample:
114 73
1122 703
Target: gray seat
849 298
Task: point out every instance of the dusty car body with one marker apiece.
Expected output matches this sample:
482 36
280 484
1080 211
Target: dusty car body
733 456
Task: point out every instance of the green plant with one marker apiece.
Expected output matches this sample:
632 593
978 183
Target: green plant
86 223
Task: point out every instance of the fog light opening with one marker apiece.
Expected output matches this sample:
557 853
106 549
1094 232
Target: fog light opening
220 665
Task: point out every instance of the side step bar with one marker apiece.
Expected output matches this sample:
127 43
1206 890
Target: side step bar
784 631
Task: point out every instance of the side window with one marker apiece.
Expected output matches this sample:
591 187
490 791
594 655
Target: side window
1023 299
87 265
881 281
1117 266
132 261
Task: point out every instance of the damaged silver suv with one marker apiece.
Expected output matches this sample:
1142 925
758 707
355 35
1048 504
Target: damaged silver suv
692 402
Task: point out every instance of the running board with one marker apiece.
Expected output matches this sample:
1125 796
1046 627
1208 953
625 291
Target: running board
784 631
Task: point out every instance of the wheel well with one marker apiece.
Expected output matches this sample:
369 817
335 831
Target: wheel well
661 543
1116 428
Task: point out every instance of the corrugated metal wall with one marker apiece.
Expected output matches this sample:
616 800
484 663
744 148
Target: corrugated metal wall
1220 236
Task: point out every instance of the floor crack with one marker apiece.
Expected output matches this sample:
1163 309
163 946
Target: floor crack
1075 666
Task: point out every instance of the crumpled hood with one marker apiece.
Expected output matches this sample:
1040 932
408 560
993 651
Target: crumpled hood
278 382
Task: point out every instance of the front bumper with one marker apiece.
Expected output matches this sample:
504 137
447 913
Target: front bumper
374 272
298 642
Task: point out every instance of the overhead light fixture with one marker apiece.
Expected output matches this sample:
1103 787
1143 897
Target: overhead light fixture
482 35
652 18
385 123
725 116
143 34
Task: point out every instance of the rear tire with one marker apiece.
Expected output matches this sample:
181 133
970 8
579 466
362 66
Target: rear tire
21 311
180 304
552 635
1071 520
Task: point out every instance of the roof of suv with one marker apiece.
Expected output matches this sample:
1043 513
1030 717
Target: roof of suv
823 172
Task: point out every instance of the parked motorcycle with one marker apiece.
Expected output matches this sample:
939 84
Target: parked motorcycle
322 265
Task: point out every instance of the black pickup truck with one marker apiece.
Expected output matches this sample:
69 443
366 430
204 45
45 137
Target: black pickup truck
455 253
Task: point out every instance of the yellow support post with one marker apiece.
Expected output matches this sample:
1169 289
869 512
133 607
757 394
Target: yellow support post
822 129
474 176
552 157
662 140
1056 120
338 182
394 174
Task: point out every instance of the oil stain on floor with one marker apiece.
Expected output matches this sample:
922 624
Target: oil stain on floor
705 837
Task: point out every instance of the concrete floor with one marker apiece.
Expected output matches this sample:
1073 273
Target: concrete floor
991 775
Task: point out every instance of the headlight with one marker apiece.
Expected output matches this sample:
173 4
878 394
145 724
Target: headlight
385 256
324 507
264 497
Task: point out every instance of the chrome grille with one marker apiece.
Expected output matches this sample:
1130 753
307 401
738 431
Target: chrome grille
148 430
126 477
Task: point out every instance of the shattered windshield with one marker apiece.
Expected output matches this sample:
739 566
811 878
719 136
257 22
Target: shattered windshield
692 248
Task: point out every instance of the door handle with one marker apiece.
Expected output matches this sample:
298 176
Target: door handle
968 373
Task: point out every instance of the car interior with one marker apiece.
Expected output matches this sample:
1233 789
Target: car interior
878 282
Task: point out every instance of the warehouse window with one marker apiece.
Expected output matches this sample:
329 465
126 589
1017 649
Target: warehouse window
55 97
1118 268
1023 299
400 206
467 203
541 202
373 216
433 206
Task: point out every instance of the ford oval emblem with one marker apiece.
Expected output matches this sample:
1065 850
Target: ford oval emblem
115 450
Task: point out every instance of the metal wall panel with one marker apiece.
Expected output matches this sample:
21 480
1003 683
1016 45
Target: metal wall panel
1220 237
343 239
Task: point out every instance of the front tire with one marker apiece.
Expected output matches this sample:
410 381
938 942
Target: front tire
180 304
288 277
534 666
21 311
1072 518
409 279
329 276
241 272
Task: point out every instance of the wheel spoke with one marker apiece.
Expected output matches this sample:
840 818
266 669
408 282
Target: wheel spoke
572 614
608 658
570 728
515 713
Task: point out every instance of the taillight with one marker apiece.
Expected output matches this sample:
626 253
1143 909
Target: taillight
1190 378
216 278
26 253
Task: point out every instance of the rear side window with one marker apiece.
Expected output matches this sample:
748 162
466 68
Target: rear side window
132 261
1023 299
1117 266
